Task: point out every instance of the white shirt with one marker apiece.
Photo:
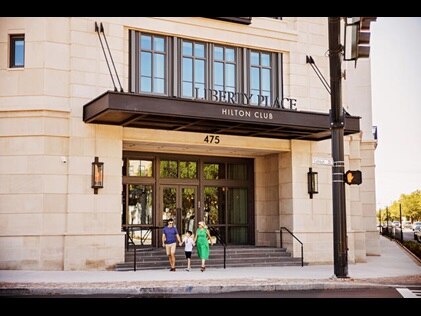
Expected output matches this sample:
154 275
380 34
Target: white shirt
188 243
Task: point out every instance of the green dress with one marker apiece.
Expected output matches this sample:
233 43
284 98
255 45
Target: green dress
202 244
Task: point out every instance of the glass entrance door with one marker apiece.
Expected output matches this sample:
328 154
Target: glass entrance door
179 203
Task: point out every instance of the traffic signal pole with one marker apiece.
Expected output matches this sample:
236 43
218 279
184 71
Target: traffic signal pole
337 122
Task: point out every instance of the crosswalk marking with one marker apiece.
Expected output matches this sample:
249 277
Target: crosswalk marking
407 293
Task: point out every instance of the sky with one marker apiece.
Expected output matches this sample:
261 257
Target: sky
396 95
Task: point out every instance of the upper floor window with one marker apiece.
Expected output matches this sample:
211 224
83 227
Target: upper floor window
152 64
224 68
17 51
185 68
193 69
260 78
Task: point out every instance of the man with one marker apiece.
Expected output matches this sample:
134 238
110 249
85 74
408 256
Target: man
169 238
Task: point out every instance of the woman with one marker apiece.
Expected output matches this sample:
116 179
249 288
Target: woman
202 244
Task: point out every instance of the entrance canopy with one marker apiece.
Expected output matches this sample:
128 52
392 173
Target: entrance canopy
202 116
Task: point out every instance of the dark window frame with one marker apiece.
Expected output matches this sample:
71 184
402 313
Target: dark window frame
179 62
237 63
276 75
174 68
13 39
135 63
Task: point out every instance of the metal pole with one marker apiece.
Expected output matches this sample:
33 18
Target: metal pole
340 247
387 221
400 218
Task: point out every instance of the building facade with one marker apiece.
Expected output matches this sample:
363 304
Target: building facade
200 119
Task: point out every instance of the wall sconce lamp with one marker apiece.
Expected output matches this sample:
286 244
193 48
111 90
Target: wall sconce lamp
97 175
313 182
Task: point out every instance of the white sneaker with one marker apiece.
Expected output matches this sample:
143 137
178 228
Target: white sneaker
188 270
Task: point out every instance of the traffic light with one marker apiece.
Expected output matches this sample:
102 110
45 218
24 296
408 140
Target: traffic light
363 37
353 177
359 37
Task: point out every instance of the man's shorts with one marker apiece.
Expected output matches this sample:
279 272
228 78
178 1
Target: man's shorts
170 248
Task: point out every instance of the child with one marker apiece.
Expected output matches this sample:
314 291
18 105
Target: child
188 247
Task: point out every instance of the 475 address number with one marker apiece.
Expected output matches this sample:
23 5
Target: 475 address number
212 139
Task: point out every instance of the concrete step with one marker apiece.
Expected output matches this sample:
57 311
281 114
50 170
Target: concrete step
236 256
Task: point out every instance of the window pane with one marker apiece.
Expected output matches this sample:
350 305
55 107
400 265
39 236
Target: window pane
187 69
188 89
188 169
158 85
142 168
199 71
187 48
254 93
237 171
199 50
237 205
201 89
266 93
218 53
266 60
230 75
229 54
218 73
145 64
214 171
218 87
168 169
159 44
238 235
159 66
214 205
145 42
254 58
254 78
266 79
140 205
19 52
145 84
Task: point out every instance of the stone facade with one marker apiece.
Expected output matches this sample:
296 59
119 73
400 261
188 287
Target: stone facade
49 217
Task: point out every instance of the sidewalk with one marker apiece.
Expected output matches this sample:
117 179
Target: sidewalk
393 267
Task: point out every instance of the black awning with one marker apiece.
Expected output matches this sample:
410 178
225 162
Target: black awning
176 114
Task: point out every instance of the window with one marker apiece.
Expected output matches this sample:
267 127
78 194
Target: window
184 68
152 64
17 51
260 78
193 69
178 169
224 68
140 168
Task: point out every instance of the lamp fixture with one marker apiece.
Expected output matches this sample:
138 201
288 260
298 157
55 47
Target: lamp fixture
312 182
97 175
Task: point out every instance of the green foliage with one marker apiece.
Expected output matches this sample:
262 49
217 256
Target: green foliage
413 246
410 204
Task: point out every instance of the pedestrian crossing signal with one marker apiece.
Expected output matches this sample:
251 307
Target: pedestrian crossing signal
353 177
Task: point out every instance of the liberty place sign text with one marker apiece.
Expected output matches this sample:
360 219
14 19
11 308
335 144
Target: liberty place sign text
245 99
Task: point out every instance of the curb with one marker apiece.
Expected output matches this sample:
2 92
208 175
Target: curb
44 290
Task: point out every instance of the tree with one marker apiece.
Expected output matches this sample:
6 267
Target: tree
411 205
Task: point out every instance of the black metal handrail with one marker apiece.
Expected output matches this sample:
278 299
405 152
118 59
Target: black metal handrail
129 228
302 251
215 232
